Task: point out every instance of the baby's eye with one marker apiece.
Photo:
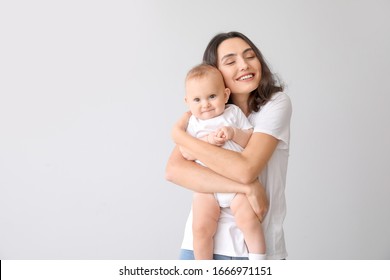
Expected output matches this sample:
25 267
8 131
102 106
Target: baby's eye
196 99
213 96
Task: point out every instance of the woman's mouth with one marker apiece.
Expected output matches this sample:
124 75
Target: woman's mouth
246 77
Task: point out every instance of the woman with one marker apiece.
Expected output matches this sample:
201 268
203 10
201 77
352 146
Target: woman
257 93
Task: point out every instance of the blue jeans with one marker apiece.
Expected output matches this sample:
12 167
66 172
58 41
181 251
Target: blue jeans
189 255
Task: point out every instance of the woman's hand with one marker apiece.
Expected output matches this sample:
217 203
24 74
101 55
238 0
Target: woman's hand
258 199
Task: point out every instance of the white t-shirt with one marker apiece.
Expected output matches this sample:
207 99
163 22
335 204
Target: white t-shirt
274 119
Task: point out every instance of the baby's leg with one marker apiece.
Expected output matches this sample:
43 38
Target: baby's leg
206 212
249 224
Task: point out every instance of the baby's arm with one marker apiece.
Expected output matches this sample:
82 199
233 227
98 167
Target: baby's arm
240 136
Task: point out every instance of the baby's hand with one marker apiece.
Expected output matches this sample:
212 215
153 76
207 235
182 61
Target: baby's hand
220 136
215 139
226 132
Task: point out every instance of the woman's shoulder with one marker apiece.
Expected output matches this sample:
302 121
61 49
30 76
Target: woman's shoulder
279 97
274 117
279 100
278 107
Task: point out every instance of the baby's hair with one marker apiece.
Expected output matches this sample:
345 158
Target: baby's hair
201 70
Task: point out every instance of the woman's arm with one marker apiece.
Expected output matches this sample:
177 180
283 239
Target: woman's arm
201 179
196 177
247 164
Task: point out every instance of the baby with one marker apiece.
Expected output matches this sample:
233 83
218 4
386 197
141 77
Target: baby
223 125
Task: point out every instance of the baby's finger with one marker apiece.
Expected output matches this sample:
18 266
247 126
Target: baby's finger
220 141
219 134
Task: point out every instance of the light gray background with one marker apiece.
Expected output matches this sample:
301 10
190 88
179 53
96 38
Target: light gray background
90 90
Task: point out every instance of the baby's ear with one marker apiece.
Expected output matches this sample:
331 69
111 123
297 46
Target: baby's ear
227 94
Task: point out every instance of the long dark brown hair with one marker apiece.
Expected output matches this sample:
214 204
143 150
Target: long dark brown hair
269 84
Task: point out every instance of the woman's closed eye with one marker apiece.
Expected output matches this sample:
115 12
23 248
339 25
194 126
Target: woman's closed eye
230 62
250 57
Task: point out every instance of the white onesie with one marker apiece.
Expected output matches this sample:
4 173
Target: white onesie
232 116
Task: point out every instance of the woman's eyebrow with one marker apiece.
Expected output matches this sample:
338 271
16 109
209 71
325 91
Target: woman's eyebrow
227 56
247 50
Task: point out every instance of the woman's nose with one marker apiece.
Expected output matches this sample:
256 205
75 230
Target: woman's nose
243 65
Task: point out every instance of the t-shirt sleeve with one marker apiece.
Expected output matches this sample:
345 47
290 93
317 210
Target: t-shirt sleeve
274 118
241 121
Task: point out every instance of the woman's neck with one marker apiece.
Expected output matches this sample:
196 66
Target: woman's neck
242 102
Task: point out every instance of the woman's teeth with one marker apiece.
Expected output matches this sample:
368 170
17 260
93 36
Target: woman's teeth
246 77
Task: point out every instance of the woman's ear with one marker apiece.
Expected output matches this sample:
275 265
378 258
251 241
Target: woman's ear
227 94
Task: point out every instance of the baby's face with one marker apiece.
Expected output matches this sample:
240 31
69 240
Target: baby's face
206 96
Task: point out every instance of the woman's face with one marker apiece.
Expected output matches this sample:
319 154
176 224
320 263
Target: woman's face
239 66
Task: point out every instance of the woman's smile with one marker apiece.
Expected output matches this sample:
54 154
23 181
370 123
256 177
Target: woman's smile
246 77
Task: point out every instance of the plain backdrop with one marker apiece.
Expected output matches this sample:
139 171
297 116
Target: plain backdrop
89 91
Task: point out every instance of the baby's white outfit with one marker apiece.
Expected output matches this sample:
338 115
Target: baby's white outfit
232 116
